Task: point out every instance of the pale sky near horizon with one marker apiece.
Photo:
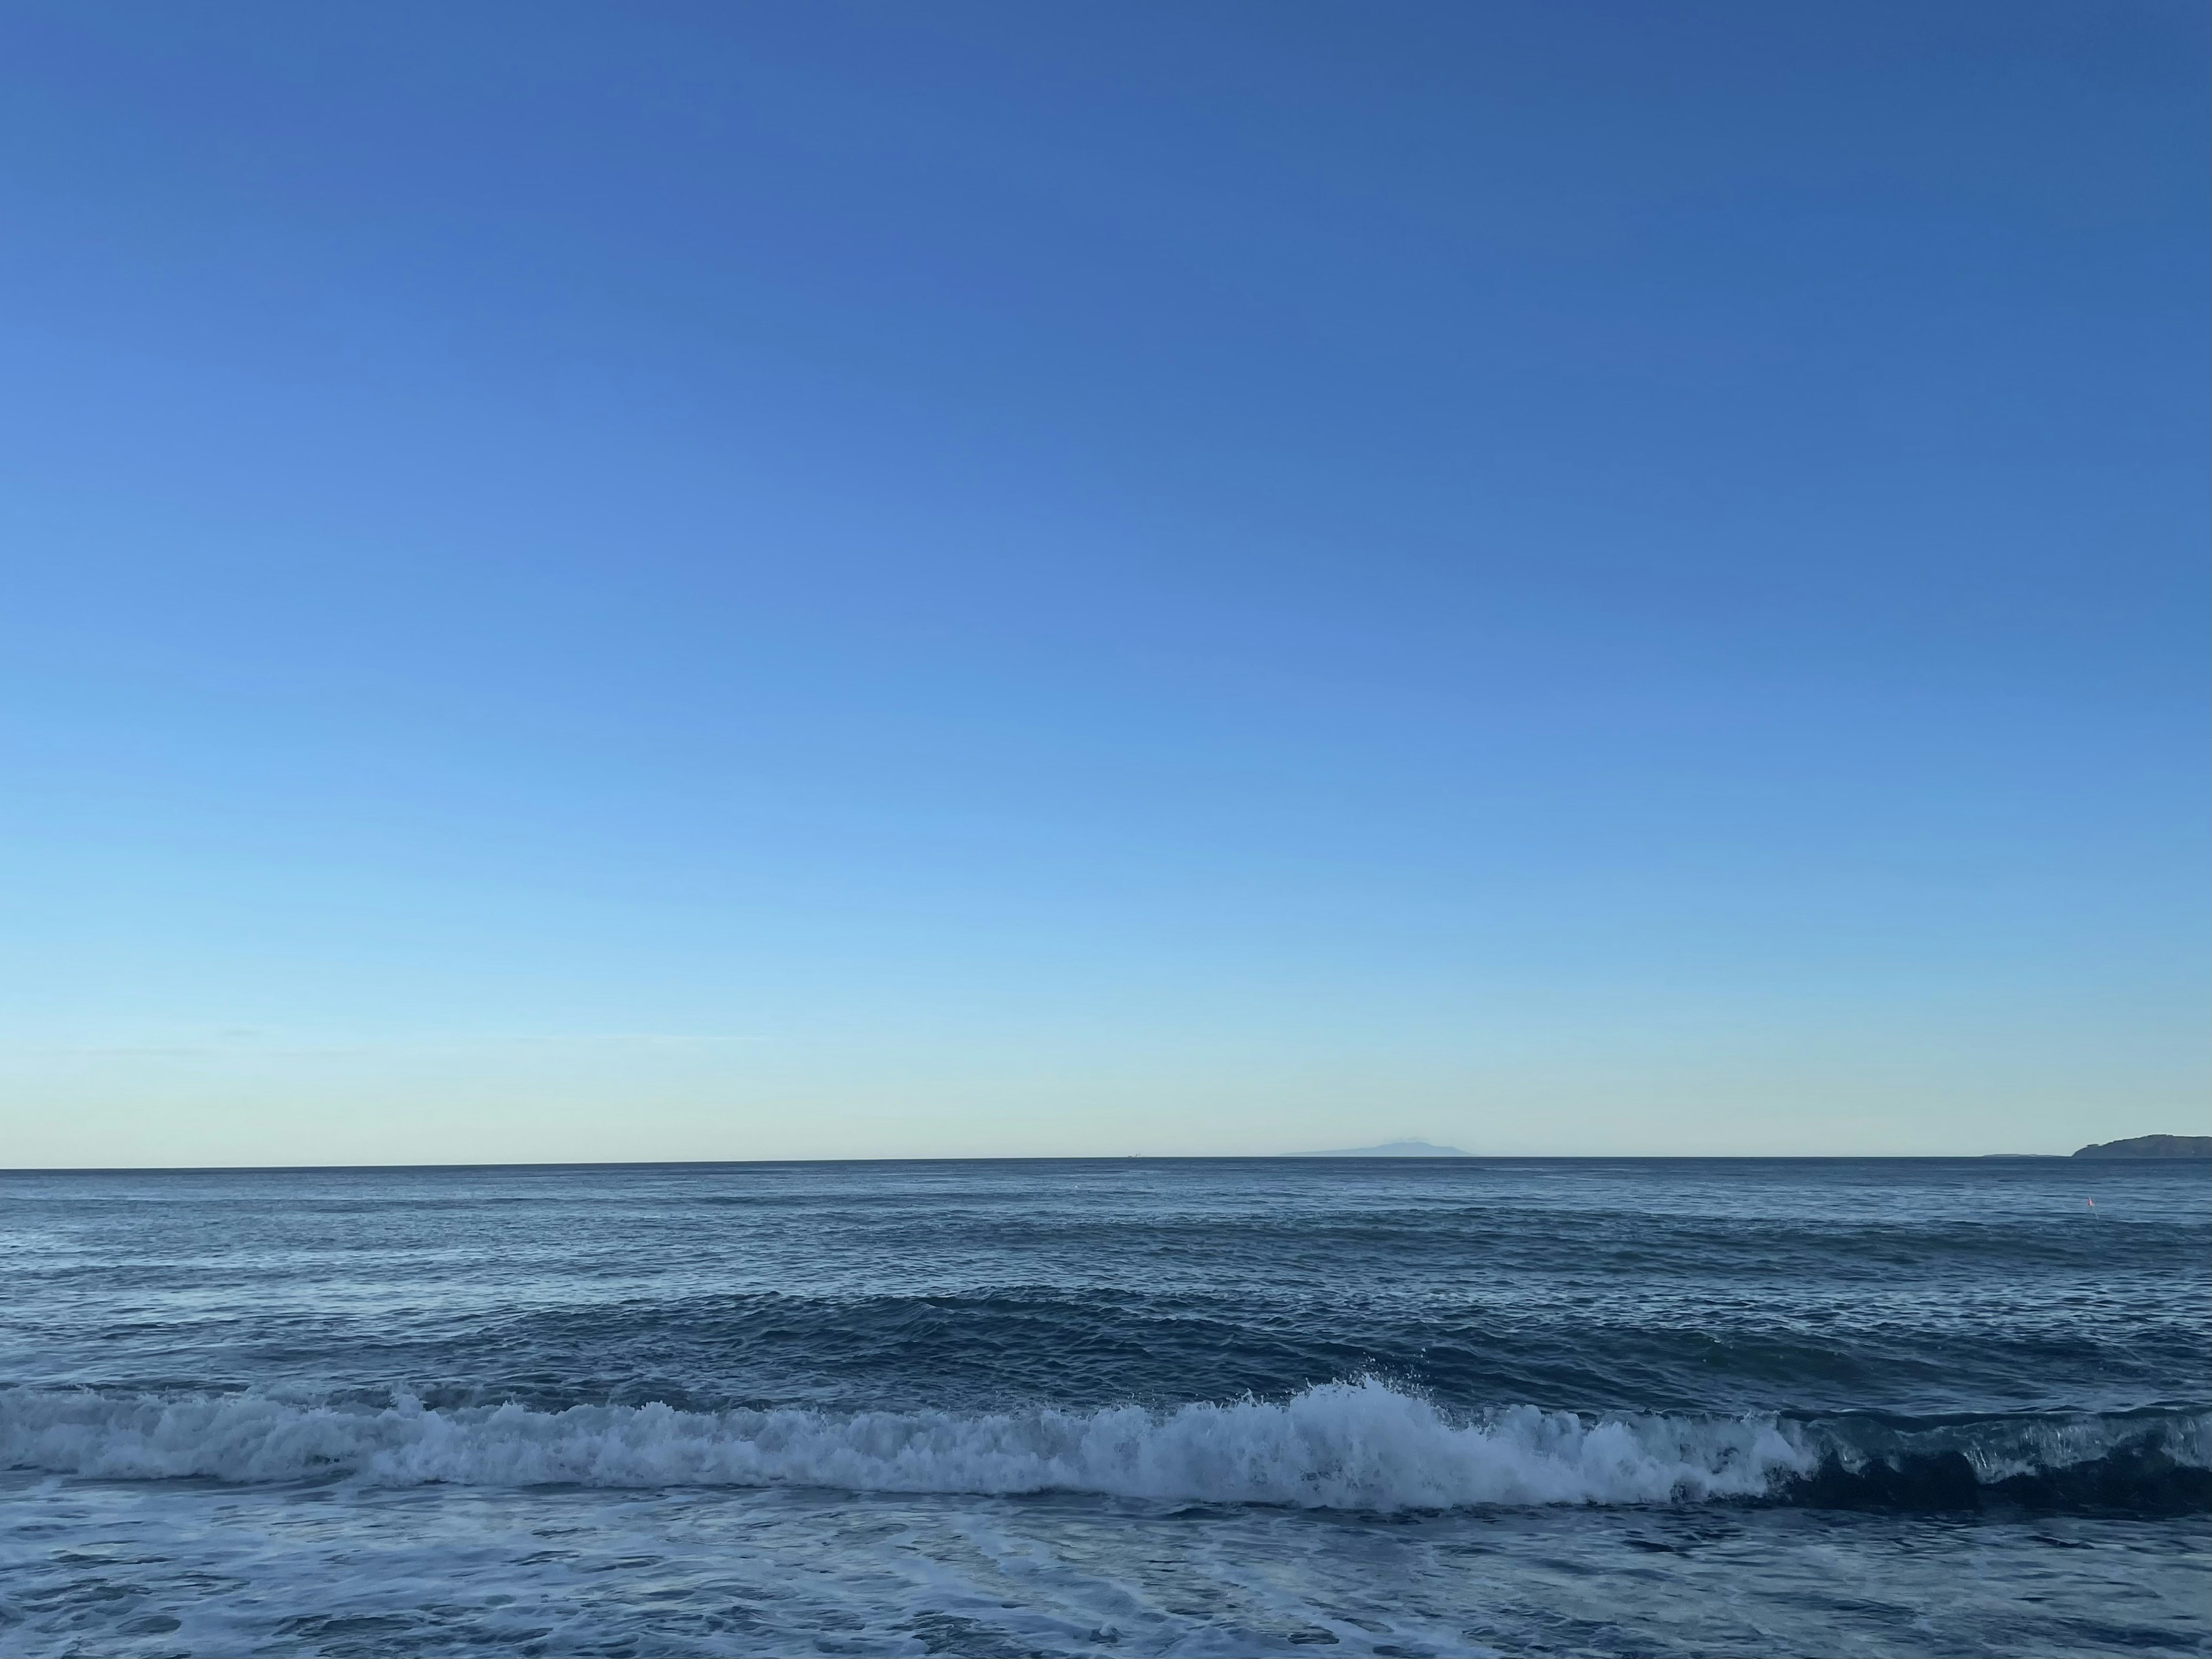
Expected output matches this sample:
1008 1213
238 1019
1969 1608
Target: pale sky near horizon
665 581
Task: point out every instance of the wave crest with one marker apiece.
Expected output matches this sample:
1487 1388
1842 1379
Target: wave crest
1354 1445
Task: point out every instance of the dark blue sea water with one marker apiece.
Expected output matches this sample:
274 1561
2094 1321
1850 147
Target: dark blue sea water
1126 1407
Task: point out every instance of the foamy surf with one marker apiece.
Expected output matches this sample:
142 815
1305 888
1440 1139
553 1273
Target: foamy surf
1360 1445
1352 1445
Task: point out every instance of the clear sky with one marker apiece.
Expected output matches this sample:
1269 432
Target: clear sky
665 580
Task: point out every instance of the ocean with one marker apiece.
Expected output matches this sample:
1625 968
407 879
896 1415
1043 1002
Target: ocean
1132 1406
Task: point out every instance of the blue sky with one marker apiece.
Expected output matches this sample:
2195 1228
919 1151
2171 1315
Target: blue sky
688 581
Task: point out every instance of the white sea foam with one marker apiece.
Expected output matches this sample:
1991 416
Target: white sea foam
1348 1445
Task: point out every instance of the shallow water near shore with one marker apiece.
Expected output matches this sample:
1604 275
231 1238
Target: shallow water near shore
1910 1406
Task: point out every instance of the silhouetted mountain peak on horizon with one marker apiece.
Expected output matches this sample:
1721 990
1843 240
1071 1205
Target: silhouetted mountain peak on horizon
1390 1149
2151 1147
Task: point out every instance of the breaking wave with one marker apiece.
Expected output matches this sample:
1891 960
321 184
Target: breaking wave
1354 1445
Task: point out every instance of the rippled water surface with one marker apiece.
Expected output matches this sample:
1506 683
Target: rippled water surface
1136 1406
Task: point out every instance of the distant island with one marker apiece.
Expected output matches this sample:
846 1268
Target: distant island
2152 1146
1390 1149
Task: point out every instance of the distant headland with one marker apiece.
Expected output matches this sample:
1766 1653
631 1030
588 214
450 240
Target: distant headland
2152 1146
1390 1149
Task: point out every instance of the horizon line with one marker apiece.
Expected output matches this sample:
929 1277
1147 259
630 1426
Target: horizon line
1102 1158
